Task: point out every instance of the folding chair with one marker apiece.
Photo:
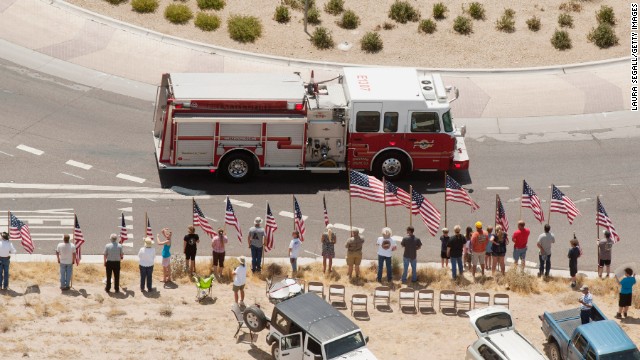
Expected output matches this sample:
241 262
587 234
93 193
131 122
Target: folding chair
425 296
337 295
481 298
463 301
382 294
407 299
203 287
361 302
316 287
501 300
237 312
447 297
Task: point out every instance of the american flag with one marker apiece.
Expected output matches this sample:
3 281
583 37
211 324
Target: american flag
394 196
430 215
269 228
231 219
455 192
560 203
123 230
530 200
78 240
200 220
602 219
298 220
326 214
149 231
20 230
366 187
501 215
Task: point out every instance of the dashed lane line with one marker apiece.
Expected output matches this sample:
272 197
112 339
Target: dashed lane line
130 178
239 203
347 227
290 215
5 153
74 175
29 149
497 188
79 164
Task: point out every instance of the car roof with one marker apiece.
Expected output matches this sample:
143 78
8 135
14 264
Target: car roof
514 346
606 337
316 317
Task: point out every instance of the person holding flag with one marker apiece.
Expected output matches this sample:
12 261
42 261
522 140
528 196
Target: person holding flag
605 246
166 254
66 254
256 242
6 249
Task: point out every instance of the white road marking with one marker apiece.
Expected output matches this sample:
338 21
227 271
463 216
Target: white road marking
127 209
346 227
130 178
561 186
239 203
85 187
75 176
128 201
514 199
212 219
2 152
29 149
79 164
616 184
582 200
290 215
497 188
129 218
127 244
129 227
150 199
97 196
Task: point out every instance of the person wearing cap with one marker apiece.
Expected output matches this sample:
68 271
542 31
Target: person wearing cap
328 241
113 255
354 252
411 245
218 250
6 249
256 243
66 254
626 292
147 255
190 248
239 279
455 249
545 240
444 241
294 250
604 252
166 254
520 239
479 241
586 303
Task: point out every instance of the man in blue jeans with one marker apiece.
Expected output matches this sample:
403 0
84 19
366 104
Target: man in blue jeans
6 249
586 303
66 253
411 245
545 240
256 242
454 251
386 246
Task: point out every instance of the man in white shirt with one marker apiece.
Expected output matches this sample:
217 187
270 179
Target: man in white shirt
6 249
386 246
147 255
66 253
586 303
239 279
294 250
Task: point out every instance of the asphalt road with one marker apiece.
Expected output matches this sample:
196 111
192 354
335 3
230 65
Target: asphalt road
76 127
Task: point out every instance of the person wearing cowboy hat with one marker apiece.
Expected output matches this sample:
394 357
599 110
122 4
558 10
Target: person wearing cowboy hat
147 256
6 249
239 279
256 242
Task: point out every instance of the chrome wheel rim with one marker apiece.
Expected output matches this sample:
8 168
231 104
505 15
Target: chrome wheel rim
391 167
238 168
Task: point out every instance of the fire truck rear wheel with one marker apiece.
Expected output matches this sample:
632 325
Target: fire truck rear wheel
392 165
237 167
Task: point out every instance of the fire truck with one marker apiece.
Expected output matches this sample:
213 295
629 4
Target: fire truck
387 121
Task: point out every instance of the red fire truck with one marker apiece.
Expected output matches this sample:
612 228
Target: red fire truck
388 121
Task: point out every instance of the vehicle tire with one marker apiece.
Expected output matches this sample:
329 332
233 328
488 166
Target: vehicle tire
392 165
254 319
237 167
275 351
554 351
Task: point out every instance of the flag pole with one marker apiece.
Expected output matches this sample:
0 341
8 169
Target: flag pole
146 223
495 214
521 195
445 199
293 203
76 252
384 197
350 220
193 206
410 205
265 224
597 230
550 200
224 225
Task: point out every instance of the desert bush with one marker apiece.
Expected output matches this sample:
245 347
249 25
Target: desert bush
244 29
321 38
349 20
207 22
506 22
178 13
144 6
270 270
402 12
533 23
166 310
396 266
462 25
636 300
606 15
178 266
561 40
603 36
371 42
440 11
388 26
334 7
476 11
427 26
282 14
211 4
571 5
565 20
521 282
115 2
313 16
509 12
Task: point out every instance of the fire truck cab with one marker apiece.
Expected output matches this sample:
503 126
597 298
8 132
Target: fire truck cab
388 121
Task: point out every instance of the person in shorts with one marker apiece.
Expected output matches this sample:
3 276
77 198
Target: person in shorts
218 250
239 279
294 250
444 241
190 248
520 239
354 252
487 251
604 252
626 292
498 250
166 254
479 240
573 255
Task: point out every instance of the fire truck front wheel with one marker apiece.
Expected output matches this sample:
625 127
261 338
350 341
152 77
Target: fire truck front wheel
237 167
392 165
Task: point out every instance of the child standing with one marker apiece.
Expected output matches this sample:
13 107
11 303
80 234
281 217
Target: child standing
239 279
166 254
467 248
294 250
574 254
626 292
444 241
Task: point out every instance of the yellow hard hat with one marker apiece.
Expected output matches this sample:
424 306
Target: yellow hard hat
478 225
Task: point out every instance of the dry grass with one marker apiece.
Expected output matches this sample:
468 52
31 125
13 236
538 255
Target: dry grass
166 310
5 324
86 318
114 312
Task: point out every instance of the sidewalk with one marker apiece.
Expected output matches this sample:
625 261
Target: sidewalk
66 41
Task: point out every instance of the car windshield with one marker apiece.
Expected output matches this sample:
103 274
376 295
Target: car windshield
623 355
493 322
344 345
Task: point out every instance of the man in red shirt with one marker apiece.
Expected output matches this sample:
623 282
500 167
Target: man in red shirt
479 241
520 239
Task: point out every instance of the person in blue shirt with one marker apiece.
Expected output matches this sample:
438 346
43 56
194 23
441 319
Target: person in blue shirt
626 292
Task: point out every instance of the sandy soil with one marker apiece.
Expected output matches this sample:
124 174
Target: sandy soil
404 45
39 322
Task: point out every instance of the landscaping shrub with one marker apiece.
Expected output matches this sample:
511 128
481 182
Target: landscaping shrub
572 5
313 16
462 25
506 22
371 42
207 22
603 36
606 15
561 40
402 12
349 20
282 14
439 11
334 7
476 11
534 23
178 13
565 20
321 38
427 26
115 2
244 29
144 6
211 4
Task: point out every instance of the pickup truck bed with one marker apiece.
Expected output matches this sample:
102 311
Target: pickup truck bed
568 320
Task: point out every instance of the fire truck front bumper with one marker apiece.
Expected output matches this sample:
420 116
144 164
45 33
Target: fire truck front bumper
460 155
